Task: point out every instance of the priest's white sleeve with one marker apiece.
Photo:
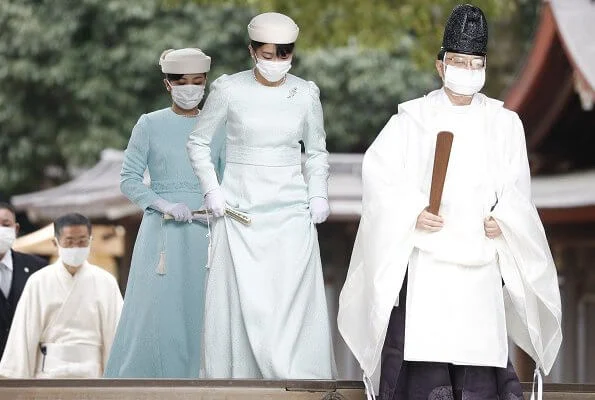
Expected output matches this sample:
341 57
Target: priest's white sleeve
21 352
531 292
385 238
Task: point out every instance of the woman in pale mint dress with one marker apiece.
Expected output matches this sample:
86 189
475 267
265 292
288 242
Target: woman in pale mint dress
160 330
266 312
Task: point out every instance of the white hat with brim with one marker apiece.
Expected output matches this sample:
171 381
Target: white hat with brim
184 61
273 28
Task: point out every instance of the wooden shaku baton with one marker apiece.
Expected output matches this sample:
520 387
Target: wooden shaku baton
441 157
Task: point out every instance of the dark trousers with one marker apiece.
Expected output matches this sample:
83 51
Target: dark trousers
408 380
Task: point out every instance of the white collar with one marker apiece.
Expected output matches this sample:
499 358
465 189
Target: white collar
7 260
65 273
442 103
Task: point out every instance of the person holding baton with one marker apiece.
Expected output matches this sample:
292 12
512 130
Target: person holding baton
424 309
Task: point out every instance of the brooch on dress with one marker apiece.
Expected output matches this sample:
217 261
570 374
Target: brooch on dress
292 92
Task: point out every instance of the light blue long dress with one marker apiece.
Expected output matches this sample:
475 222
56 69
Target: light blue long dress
266 313
160 330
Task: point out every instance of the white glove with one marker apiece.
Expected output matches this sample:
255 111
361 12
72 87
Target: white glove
179 211
215 202
319 209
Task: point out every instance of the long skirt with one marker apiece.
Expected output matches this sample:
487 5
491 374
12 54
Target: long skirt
160 330
266 312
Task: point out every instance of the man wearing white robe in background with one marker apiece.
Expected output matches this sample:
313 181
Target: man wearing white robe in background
423 308
66 318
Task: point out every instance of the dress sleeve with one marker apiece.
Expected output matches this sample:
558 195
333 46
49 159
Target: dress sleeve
210 125
218 152
316 168
134 166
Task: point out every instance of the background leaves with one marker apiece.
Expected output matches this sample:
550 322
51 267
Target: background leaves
76 75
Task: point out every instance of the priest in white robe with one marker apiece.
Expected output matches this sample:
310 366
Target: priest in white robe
424 308
66 319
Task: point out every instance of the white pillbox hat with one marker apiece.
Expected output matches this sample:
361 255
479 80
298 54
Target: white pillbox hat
273 28
184 61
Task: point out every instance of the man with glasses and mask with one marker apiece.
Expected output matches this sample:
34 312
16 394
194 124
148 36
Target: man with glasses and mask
424 308
15 269
66 318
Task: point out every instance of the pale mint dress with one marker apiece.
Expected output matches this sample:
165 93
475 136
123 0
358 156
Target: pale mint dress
266 312
160 330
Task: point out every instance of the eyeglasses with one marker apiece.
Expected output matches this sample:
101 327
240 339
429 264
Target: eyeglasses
83 242
462 62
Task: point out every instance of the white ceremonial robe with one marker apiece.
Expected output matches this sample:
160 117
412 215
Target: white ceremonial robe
70 318
455 307
396 174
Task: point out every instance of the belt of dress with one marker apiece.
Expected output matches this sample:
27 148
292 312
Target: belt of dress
263 156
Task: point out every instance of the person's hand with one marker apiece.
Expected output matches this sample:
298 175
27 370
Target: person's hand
215 202
426 221
179 211
319 209
491 228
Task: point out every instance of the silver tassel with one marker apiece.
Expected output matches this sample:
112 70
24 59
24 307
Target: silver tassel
161 264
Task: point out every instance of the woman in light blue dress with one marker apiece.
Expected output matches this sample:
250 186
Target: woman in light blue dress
266 312
160 330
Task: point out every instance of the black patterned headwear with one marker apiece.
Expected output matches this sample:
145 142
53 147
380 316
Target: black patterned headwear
466 31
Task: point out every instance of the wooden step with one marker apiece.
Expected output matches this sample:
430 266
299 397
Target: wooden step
571 391
133 389
122 389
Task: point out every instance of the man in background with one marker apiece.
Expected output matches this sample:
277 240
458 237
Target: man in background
15 269
65 321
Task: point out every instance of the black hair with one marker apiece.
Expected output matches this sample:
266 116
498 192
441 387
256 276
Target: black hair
177 77
441 54
73 219
173 77
282 50
7 206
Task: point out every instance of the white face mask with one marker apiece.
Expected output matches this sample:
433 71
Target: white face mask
273 71
187 97
462 81
8 234
74 256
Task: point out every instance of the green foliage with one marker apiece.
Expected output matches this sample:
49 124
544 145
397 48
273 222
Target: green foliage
376 24
360 89
75 76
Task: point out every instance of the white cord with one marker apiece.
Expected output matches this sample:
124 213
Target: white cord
209 234
539 379
370 395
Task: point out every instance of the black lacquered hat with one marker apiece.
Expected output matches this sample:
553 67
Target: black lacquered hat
466 31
